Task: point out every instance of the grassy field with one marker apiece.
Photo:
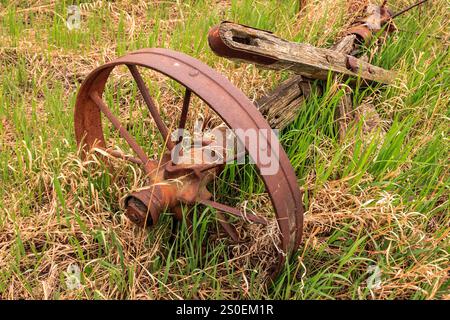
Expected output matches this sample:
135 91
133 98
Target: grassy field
377 202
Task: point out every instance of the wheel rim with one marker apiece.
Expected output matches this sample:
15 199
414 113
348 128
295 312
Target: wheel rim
228 102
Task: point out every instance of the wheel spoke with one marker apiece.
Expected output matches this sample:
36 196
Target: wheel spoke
123 132
229 229
151 105
184 111
234 211
123 156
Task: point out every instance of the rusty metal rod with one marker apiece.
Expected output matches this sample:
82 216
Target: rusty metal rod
234 211
151 106
407 9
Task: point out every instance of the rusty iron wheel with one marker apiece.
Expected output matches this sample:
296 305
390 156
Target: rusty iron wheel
229 103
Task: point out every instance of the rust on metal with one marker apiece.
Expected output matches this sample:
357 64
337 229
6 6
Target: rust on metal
218 45
380 17
173 185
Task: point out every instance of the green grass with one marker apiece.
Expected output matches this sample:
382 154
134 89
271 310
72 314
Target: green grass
373 199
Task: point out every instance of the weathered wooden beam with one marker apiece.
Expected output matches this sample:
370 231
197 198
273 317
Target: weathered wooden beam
281 105
261 47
